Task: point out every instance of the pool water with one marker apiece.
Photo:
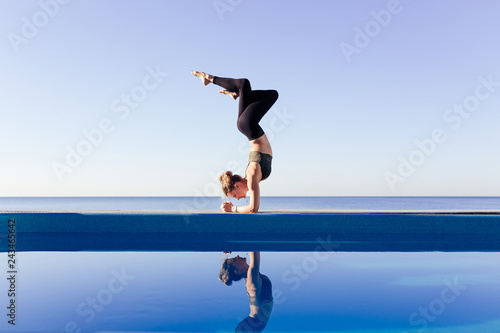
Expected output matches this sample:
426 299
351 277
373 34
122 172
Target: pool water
313 292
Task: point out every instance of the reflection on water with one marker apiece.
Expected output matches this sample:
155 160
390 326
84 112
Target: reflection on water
258 287
314 292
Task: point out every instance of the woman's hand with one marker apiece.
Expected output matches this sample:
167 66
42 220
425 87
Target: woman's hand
227 207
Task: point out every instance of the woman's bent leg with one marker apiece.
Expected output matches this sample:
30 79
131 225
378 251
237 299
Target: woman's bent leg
253 105
248 120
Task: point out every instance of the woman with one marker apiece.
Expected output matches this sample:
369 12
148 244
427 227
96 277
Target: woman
253 105
258 286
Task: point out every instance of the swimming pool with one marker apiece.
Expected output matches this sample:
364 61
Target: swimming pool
285 231
331 272
313 292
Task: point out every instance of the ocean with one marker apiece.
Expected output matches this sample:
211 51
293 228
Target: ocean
266 204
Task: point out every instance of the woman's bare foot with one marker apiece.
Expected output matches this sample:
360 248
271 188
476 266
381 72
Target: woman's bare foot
233 94
205 78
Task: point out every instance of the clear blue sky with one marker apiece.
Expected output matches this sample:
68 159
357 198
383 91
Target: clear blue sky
360 83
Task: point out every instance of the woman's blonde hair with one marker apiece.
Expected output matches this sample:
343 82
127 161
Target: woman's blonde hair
228 182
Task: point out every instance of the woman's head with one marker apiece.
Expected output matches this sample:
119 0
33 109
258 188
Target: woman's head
231 185
233 269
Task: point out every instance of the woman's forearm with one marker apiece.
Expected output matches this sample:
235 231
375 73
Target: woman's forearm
244 209
254 259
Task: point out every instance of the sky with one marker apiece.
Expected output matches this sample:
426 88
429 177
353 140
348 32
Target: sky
377 98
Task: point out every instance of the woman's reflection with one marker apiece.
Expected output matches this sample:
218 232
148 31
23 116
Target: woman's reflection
258 286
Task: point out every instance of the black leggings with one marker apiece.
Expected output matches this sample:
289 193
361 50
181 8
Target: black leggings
254 104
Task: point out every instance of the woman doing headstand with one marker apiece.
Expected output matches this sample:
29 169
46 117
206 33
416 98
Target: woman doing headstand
253 105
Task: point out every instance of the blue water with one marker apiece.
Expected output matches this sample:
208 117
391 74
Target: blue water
369 292
267 203
313 292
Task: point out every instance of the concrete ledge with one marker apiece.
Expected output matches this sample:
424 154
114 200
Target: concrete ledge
270 231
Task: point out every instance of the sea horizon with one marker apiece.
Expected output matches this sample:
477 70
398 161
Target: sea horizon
268 203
